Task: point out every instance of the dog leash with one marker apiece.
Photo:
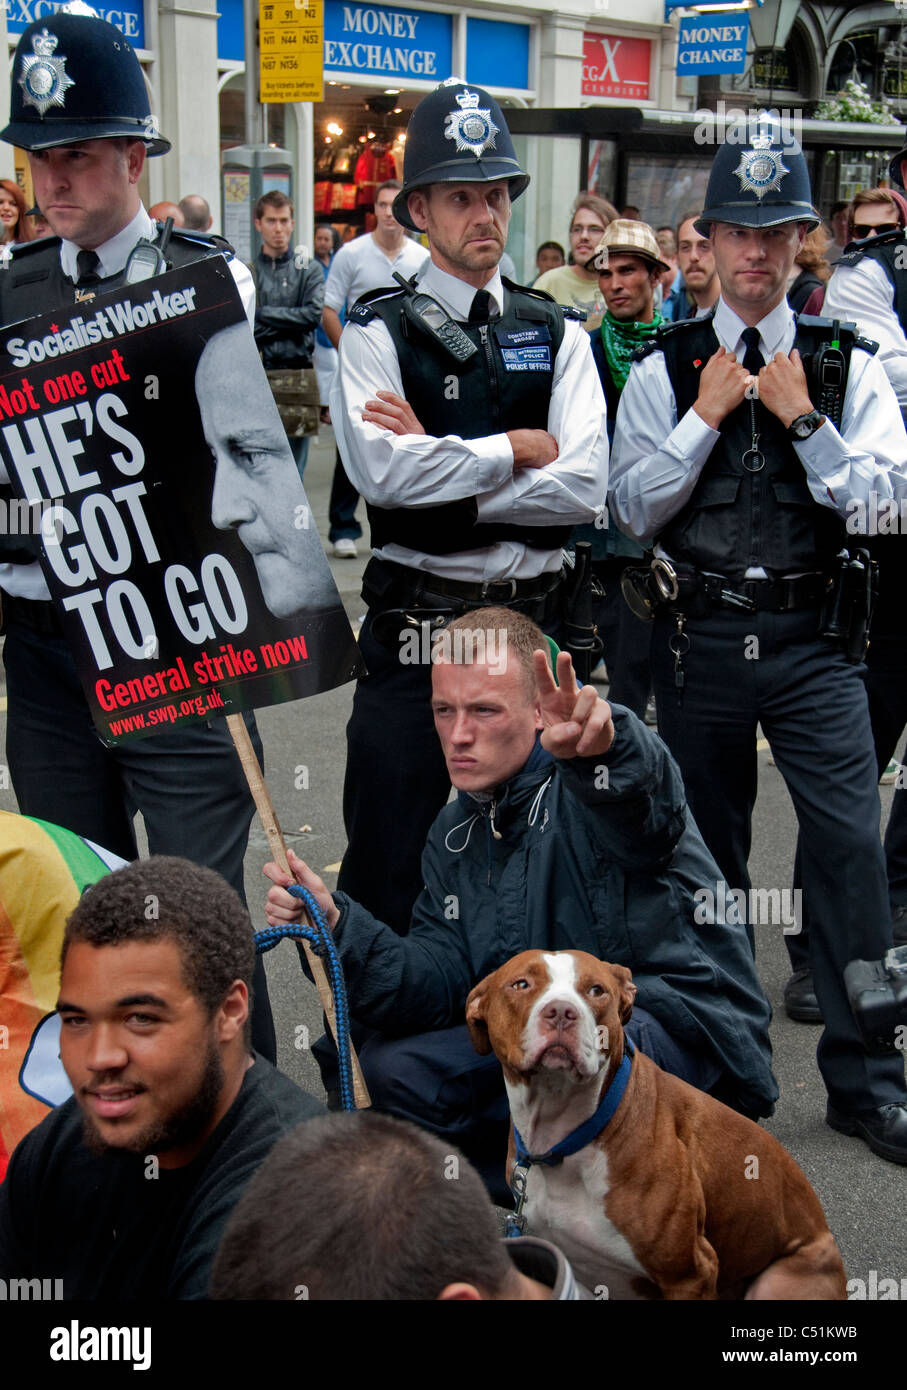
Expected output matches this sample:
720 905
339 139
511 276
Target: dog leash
321 940
577 1139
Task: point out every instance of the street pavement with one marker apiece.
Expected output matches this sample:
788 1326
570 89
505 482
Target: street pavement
862 1194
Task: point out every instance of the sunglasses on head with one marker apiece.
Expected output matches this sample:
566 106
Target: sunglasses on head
860 229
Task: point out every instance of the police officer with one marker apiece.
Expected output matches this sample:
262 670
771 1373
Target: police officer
79 106
722 459
869 285
475 430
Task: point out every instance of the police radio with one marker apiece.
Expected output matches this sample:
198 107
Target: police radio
831 378
147 258
429 316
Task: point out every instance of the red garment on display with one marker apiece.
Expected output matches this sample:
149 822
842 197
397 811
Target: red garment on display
375 165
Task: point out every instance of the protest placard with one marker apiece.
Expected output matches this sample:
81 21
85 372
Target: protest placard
176 538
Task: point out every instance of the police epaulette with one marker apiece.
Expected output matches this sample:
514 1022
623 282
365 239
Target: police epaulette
845 326
855 249
209 239
527 289
569 311
361 312
663 331
847 329
28 248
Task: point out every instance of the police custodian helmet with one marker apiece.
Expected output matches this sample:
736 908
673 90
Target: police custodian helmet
76 77
457 134
759 178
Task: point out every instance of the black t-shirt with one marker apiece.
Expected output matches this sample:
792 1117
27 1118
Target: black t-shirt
108 1230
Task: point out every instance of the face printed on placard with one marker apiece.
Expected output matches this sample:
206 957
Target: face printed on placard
257 488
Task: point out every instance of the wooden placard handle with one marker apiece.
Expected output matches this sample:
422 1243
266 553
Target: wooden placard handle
265 807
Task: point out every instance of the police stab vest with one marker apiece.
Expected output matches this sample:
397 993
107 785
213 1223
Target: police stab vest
33 283
884 249
736 519
506 385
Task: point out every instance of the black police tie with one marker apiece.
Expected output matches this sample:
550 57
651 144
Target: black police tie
480 309
88 262
753 361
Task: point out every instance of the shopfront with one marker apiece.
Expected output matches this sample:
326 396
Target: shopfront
379 61
659 161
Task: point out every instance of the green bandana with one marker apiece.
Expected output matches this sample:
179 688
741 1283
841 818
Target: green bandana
620 340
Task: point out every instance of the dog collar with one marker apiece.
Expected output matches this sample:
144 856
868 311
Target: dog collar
577 1139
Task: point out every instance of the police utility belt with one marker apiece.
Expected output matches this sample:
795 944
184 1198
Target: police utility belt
843 599
662 584
401 598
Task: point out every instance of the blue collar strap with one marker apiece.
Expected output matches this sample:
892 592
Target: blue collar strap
589 1129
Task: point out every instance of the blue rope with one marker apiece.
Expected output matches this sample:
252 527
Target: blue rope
322 943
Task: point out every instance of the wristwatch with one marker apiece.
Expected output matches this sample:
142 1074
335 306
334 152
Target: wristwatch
805 425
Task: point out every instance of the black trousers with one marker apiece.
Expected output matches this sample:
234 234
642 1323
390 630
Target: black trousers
774 669
886 690
342 505
625 638
188 784
886 687
395 784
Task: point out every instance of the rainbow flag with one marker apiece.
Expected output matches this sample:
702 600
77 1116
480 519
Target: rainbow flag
43 870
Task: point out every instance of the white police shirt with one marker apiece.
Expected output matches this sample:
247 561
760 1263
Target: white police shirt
864 293
657 459
410 470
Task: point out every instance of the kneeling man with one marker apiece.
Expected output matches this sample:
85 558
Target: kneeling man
123 1192
570 831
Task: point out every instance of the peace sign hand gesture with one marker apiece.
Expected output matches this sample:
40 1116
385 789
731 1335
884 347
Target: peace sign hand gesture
577 724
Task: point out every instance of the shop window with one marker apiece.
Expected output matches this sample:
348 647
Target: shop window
233 116
855 57
601 168
777 69
893 47
664 187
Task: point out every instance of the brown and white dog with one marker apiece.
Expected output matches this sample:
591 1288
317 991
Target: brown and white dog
679 1196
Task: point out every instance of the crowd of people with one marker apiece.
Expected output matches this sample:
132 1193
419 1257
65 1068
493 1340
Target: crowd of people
654 394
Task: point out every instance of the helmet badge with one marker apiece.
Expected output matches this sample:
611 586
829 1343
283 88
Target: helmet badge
761 169
472 128
43 78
